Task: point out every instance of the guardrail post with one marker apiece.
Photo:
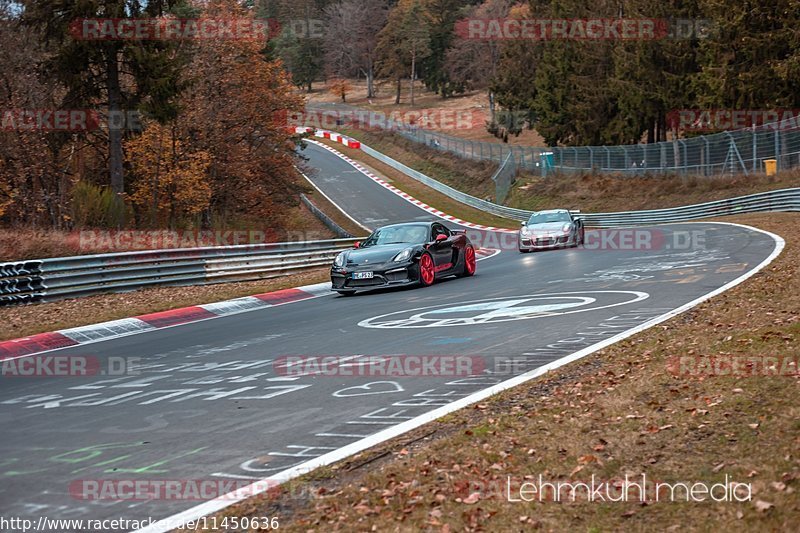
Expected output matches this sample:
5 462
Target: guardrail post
705 155
685 159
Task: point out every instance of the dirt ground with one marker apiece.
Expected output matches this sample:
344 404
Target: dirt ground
472 108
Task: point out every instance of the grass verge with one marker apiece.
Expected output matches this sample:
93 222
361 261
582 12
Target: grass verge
620 411
26 243
23 320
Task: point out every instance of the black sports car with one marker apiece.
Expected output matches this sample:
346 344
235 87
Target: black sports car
403 254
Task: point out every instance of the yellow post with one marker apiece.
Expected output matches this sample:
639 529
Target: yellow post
770 166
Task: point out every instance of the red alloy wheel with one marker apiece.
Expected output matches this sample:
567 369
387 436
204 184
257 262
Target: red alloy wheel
426 271
469 261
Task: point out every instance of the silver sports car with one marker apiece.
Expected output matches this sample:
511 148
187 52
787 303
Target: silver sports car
556 228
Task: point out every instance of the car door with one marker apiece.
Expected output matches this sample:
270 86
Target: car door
442 251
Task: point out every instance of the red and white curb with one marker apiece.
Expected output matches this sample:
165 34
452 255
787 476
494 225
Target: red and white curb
383 183
66 338
332 135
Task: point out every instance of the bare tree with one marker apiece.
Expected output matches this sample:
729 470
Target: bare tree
403 41
352 38
473 62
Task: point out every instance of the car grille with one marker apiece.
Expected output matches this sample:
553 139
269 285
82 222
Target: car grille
377 280
399 275
551 241
338 281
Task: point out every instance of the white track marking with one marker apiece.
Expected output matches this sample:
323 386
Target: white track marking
337 206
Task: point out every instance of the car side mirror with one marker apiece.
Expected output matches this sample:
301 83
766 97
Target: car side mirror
441 237
357 244
522 223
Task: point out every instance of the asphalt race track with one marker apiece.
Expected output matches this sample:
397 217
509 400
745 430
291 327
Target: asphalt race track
206 400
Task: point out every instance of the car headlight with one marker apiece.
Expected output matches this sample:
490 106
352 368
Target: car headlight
339 261
405 255
525 231
566 228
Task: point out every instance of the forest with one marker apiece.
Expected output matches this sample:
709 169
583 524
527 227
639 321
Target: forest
147 131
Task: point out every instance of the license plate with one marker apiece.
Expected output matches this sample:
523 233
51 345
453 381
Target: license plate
362 275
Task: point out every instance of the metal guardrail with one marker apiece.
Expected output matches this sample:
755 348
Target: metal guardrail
325 219
71 277
783 200
780 200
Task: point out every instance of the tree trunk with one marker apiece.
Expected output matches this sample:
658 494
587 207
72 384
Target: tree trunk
397 97
115 157
413 68
370 79
492 117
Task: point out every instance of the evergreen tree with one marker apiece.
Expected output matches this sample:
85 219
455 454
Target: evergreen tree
123 74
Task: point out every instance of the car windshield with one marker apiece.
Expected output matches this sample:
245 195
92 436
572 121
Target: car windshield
544 218
397 235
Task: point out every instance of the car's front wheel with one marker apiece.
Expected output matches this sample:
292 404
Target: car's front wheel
427 272
579 237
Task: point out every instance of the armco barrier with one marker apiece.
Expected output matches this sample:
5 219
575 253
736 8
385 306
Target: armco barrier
325 219
71 277
785 200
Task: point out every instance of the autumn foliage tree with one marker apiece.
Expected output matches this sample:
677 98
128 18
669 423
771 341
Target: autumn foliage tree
172 182
34 164
339 87
235 111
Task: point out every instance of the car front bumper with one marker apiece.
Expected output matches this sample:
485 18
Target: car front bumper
395 275
545 242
